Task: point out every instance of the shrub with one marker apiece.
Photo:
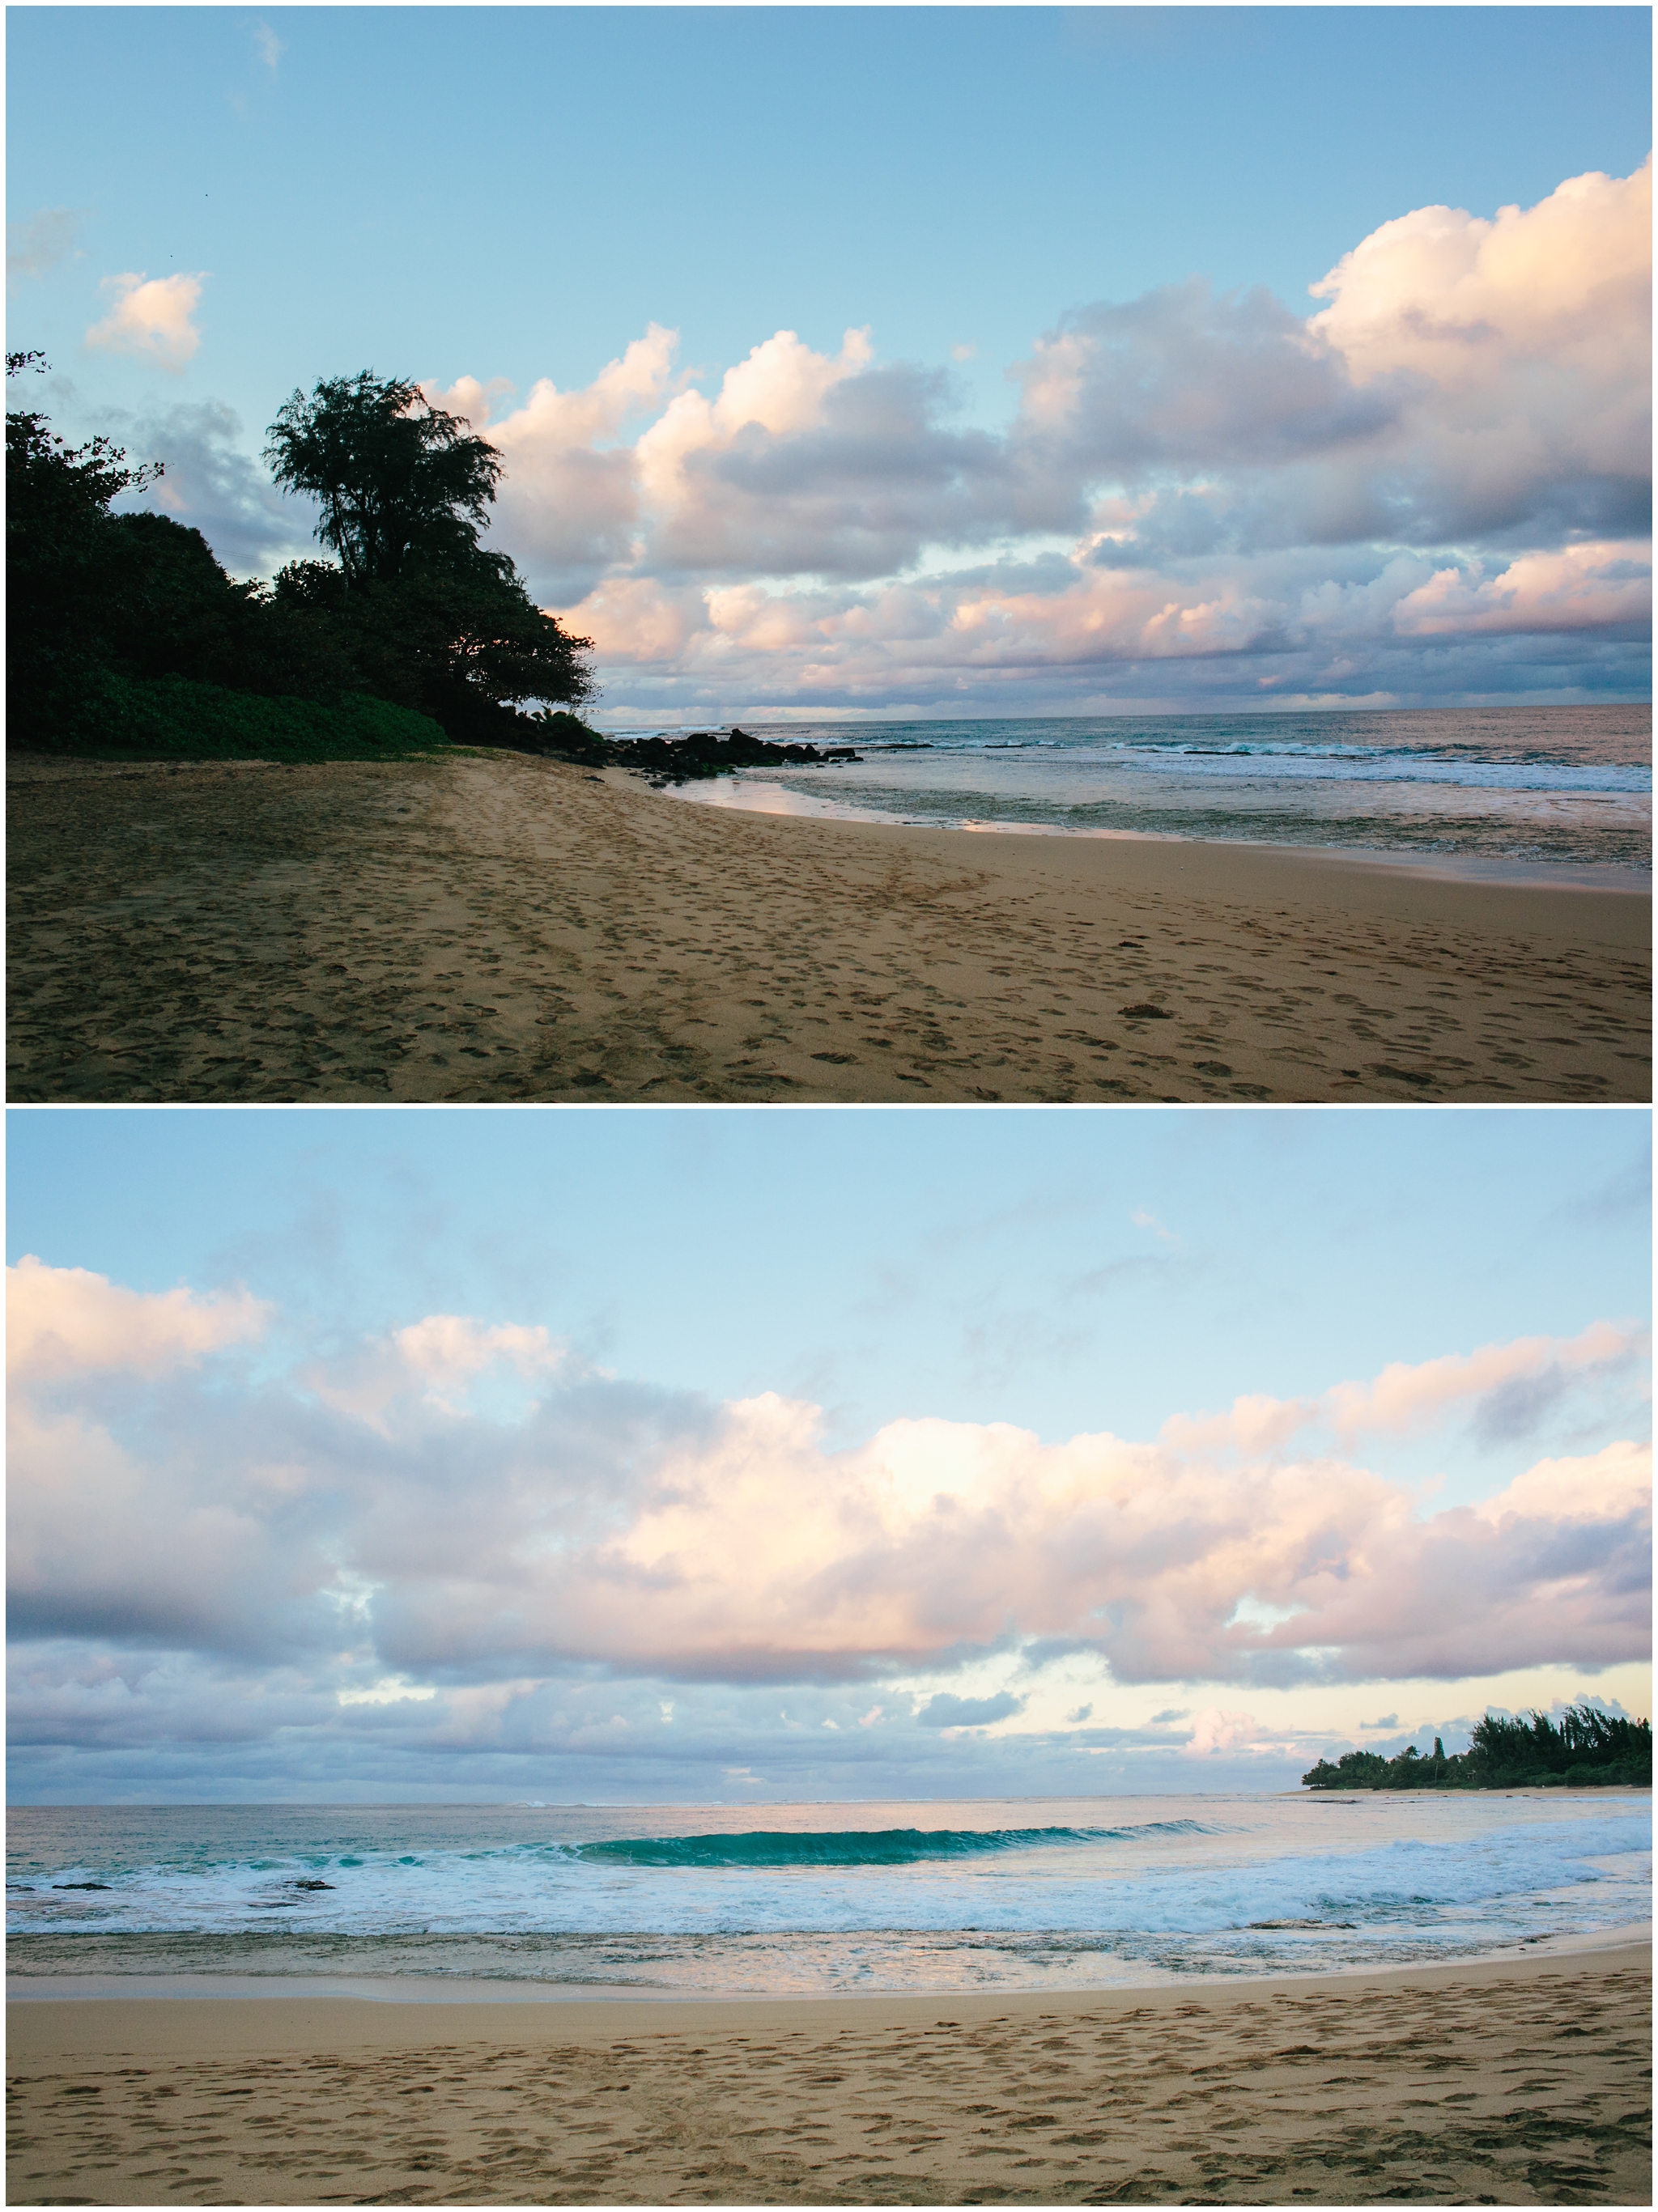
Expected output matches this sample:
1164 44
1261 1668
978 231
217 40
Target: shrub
171 718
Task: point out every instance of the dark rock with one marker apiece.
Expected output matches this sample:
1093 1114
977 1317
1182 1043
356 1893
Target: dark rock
700 753
313 1885
1147 1013
82 1885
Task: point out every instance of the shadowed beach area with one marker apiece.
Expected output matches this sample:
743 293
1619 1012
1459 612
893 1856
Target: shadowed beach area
497 927
1510 2081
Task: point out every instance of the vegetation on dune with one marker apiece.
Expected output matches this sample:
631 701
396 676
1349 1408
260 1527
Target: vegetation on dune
176 718
1584 1748
127 637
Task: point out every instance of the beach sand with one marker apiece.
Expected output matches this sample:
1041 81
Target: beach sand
501 927
1514 2081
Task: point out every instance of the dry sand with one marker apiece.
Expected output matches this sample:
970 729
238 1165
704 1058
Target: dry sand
500 927
1518 2081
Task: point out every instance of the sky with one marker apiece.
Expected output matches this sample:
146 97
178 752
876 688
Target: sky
649 1456
885 363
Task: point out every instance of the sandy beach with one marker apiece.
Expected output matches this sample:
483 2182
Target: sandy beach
501 927
1506 2081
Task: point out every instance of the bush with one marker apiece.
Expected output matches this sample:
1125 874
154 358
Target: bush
171 718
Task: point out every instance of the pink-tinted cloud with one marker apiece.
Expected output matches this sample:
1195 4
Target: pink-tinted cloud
570 498
1604 587
1197 498
67 1321
150 316
652 1535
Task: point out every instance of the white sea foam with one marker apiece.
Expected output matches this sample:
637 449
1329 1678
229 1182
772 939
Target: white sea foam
1557 787
999 1892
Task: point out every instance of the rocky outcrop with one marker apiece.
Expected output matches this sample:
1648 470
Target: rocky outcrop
676 760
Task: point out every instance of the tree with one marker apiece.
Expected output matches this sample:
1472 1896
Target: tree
398 478
462 644
64 574
429 619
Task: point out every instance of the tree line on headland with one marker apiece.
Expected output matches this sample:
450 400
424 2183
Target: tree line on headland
126 634
1584 1748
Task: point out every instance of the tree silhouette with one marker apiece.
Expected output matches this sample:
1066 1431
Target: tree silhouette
125 631
396 478
430 618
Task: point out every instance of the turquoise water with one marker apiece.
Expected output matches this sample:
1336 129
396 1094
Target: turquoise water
973 1894
1553 786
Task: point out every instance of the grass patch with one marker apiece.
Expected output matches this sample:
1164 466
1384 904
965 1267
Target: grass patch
171 718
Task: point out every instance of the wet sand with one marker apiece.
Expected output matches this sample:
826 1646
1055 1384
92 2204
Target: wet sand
1512 2081
498 927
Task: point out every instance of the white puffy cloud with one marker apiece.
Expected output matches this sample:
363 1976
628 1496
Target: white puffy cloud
371 1517
1462 301
1435 486
150 316
1589 587
1605 1486
435 1362
569 506
68 1320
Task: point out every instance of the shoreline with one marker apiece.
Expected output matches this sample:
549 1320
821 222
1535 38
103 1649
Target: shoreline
504 927
1510 2081
1608 876
1626 1945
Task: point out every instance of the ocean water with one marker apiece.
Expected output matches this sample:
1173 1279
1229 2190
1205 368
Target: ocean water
1559 788
782 1899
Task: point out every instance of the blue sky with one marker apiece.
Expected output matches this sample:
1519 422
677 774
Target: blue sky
517 191
209 207
338 1436
1056 1270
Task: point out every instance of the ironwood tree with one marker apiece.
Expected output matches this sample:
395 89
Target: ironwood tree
433 619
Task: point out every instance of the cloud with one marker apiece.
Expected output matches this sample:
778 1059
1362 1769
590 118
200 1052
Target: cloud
1613 1485
944 1711
1555 299
1185 381
270 47
569 506
1402 1398
1434 488
1506 1388
1601 587
38 242
433 1363
448 1352
387 1512
213 486
66 1321
1217 1730
150 316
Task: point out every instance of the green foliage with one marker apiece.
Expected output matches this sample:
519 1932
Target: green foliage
561 727
172 718
426 615
418 616
1583 1748
464 644
399 480
62 563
